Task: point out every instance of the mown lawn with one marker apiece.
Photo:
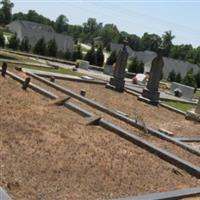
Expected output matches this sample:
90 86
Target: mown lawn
180 106
59 70
197 94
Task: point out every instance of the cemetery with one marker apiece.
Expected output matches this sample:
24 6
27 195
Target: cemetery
92 112
78 136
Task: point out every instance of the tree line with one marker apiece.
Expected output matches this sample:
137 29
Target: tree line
95 57
108 32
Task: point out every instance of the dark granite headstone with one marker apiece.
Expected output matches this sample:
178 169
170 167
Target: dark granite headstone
151 92
3 70
26 83
117 81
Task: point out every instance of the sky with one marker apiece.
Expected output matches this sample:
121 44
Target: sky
133 16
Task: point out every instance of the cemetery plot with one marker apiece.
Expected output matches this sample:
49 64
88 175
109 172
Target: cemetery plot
49 153
155 117
159 142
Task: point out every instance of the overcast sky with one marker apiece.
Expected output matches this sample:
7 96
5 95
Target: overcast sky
133 16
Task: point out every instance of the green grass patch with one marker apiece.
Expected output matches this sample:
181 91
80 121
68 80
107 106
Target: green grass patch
180 106
197 94
59 70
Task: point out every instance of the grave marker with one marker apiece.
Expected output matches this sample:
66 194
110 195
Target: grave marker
3 70
194 115
151 92
117 81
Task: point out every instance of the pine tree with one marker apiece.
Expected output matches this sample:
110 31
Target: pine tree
24 46
178 78
172 76
68 55
77 54
13 42
91 56
189 79
40 47
100 56
112 58
52 48
135 66
2 40
197 78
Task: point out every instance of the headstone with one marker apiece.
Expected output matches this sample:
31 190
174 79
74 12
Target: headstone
186 91
83 64
26 83
83 93
52 79
194 114
151 92
4 68
117 81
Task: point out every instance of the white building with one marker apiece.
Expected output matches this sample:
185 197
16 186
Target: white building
170 64
35 31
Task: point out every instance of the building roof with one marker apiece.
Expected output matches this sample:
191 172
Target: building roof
33 26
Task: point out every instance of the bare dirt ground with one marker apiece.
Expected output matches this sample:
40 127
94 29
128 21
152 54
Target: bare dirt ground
155 117
47 152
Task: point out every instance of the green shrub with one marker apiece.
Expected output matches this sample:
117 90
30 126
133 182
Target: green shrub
112 58
40 47
136 66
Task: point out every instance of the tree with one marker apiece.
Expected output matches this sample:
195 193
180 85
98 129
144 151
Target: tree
172 76
135 66
6 11
197 78
109 33
189 79
112 58
2 40
99 56
150 42
91 56
91 29
25 46
178 78
52 48
77 54
61 24
32 16
68 55
40 47
13 42
167 44
134 42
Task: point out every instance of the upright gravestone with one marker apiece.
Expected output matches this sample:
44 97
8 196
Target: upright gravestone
194 114
151 92
198 108
117 81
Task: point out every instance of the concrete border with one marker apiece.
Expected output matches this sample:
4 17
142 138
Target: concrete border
115 114
172 195
4 195
188 139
